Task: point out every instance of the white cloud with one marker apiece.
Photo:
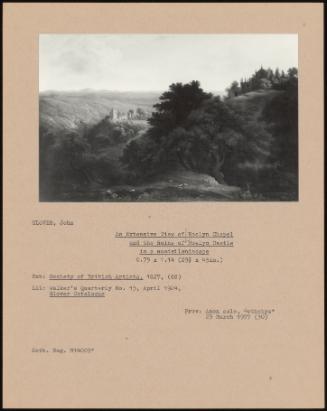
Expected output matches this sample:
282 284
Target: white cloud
152 62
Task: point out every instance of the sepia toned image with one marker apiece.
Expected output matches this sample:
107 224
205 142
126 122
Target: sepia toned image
163 206
168 117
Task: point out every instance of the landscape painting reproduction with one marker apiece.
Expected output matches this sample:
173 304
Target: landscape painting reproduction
168 117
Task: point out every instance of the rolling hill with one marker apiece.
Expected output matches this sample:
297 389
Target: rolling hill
66 110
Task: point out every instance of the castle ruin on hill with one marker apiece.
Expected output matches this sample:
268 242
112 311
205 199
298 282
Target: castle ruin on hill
117 115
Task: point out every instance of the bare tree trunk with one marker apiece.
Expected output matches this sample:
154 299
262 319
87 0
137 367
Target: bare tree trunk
216 168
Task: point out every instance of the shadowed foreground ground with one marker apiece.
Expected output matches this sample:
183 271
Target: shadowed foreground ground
174 186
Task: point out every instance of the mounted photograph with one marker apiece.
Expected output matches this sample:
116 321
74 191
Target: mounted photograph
168 117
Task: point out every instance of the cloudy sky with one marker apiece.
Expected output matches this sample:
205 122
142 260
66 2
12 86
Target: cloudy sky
134 62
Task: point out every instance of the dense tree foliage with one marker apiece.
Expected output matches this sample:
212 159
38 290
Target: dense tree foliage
262 79
86 156
174 107
204 137
281 114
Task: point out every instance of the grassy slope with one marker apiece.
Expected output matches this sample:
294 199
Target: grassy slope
252 103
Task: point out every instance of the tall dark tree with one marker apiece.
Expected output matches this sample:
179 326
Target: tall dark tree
174 107
200 138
